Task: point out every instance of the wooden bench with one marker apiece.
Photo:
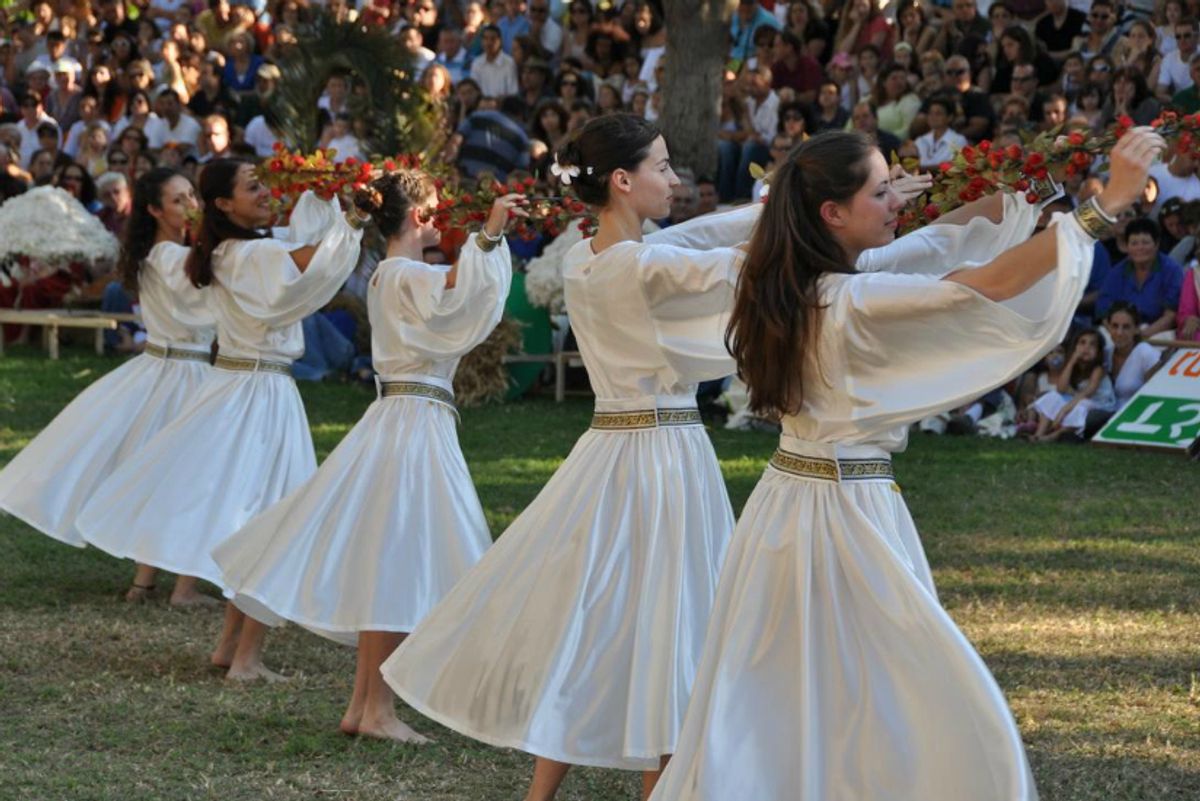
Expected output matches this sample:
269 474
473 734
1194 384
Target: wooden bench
561 361
52 320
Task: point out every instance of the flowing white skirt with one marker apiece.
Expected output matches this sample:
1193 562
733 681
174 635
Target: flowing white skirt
239 448
1053 402
577 636
831 672
375 539
50 480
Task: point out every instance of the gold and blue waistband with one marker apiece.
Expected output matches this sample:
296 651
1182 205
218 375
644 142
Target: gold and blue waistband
181 354
836 470
253 365
640 419
416 389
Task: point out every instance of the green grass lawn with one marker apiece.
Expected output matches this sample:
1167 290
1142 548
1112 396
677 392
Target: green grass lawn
1075 571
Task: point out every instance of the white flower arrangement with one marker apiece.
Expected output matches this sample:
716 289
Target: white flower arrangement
46 229
544 275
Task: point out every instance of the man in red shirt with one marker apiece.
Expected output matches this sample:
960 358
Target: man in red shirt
794 70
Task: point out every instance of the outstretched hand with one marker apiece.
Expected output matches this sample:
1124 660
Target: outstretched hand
906 185
1130 160
503 208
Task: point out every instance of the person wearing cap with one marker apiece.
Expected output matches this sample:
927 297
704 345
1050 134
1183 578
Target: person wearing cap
254 104
535 82
33 116
56 52
262 132
841 72
62 103
494 70
1170 220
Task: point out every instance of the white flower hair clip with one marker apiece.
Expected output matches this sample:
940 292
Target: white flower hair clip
565 174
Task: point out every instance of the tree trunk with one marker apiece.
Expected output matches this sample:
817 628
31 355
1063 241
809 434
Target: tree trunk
697 49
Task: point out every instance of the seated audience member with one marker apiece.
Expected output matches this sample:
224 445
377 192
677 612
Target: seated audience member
494 141
1188 316
941 142
1082 386
115 200
1146 278
1128 361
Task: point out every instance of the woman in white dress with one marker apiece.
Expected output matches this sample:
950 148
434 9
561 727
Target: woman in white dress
576 636
830 671
244 442
48 483
390 522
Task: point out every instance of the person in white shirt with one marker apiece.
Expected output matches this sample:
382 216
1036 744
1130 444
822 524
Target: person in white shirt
261 136
1176 74
413 42
32 118
451 54
343 139
1175 179
88 113
177 126
494 70
941 142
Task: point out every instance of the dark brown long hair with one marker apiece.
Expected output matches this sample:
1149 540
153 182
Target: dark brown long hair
777 306
217 180
141 229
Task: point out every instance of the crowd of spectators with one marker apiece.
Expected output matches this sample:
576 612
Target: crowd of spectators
95 92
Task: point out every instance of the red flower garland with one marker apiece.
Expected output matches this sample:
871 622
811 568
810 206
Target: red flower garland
977 170
290 174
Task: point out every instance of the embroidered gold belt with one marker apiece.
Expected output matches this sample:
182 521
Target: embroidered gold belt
645 418
176 353
253 365
416 389
832 469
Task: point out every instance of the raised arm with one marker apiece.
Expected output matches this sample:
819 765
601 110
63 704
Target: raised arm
1019 268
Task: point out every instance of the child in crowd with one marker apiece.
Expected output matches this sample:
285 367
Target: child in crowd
1082 385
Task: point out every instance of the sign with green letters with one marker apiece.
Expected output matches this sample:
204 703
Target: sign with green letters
1165 412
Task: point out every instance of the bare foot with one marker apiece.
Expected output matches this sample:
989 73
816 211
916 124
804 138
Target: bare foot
222 655
193 600
391 730
254 673
138 594
352 719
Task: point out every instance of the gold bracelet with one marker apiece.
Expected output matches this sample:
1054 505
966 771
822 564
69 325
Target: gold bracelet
486 243
1091 219
356 222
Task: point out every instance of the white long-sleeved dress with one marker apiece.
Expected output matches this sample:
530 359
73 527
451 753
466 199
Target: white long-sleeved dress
830 670
244 441
576 637
50 480
391 520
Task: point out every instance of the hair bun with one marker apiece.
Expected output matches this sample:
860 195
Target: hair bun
368 199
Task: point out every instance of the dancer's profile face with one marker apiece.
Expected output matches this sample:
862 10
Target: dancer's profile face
651 186
250 204
868 219
178 201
